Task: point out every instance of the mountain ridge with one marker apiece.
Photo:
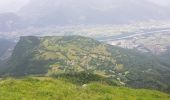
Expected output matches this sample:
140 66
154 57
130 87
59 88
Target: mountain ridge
71 54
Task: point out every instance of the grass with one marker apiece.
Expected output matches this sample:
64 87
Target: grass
45 88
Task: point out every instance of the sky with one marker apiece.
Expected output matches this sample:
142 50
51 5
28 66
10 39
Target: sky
161 2
11 5
15 5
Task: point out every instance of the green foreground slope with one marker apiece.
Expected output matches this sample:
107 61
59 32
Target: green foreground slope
46 88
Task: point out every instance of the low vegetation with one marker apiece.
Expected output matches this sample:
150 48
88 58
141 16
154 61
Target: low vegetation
45 88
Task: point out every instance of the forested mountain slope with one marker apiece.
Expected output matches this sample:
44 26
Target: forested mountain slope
71 54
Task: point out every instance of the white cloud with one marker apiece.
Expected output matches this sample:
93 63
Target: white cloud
11 5
161 2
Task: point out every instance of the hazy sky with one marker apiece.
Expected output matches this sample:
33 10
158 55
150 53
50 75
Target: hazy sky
14 5
161 2
11 5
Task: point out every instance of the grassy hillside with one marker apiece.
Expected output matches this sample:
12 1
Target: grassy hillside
72 54
45 88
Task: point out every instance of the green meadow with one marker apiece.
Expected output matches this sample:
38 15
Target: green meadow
46 88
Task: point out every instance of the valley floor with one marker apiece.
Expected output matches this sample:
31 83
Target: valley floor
46 88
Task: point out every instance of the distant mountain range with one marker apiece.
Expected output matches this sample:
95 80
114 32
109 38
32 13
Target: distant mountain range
5 46
40 13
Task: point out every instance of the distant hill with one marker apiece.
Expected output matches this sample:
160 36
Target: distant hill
71 54
43 13
6 47
72 12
